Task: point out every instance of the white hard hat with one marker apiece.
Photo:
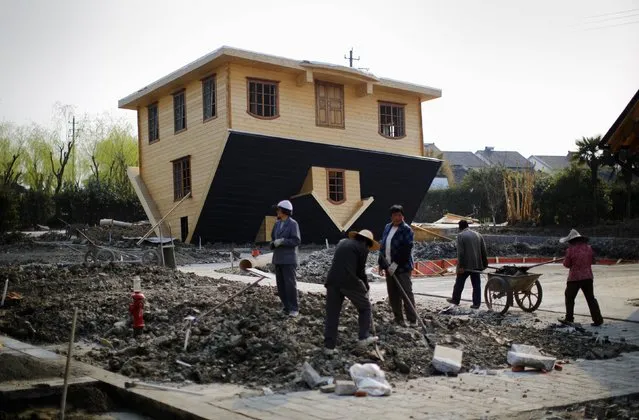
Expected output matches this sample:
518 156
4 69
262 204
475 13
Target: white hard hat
286 205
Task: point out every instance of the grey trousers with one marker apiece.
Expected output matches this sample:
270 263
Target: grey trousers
287 286
396 297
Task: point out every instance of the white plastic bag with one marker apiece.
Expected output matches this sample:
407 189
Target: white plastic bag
371 379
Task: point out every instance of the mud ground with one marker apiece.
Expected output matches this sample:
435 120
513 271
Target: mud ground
248 341
624 408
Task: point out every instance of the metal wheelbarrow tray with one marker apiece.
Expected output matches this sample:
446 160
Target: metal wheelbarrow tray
501 288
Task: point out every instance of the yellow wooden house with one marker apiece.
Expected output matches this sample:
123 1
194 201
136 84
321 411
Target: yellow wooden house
241 130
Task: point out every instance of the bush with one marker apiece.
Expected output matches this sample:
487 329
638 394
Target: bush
9 208
36 207
567 199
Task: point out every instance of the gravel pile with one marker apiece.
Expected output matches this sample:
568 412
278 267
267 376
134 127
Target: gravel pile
248 341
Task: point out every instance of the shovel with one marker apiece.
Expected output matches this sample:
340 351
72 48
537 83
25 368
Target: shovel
377 352
408 301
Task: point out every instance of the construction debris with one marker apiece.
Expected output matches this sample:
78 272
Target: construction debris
522 355
343 387
447 360
248 341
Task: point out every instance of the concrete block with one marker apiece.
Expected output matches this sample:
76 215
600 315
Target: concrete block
447 360
327 389
522 355
345 387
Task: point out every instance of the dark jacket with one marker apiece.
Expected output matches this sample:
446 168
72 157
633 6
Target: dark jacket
401 248
348 270
289 230
471 251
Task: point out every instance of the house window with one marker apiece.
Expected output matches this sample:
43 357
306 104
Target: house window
181 177
391 120
154 123
336 191
263 101
208 98
329 105
179 111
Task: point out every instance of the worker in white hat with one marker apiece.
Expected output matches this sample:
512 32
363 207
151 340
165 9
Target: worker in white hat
285 240
579 259
347 278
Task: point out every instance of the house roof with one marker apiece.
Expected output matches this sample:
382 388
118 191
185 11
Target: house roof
199 67
464 159
506 159
555 163
617 137
430 147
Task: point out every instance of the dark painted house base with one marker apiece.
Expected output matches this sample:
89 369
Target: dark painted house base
257 171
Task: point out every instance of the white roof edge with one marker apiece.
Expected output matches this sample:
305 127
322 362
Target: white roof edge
398 84
275 60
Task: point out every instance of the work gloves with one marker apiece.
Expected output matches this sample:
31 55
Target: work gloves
278 242
391 269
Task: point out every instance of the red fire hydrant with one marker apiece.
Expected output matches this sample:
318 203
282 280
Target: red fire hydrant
136 309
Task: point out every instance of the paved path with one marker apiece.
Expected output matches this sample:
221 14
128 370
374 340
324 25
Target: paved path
467 396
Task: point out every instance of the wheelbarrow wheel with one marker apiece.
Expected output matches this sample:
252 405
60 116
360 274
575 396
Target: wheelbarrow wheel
529 300
89 257
105 255
498 295
151 257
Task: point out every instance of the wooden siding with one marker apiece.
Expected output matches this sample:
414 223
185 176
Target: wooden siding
297 114
340 212
204 141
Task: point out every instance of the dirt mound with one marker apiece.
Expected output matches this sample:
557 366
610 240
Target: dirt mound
248 341
14 367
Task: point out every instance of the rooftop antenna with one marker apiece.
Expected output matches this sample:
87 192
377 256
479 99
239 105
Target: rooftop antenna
350 58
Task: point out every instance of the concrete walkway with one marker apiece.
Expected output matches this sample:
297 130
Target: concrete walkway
467 396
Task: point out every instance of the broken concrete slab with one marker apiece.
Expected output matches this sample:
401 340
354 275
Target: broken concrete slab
312 378
522 355
345 387
447 360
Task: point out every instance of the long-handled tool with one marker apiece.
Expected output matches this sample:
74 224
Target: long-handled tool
128 385
408 301
193 320
525 268
379 353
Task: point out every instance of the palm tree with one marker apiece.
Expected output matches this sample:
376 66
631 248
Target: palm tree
589 153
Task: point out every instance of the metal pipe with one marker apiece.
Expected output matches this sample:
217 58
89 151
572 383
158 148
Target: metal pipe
255 262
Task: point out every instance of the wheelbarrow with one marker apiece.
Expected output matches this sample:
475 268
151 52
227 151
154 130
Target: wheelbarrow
512 282
501 288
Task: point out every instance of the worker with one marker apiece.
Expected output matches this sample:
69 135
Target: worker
285 240
579 259
471 259
396 262
347 278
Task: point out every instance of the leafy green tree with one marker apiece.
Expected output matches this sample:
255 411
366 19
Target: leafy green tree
567 199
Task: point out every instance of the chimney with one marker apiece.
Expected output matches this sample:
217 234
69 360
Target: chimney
488 149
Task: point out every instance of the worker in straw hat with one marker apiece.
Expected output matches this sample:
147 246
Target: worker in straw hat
285 240
347 278
579 259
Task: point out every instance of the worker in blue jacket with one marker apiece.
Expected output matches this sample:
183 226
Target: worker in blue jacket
396 261
285 240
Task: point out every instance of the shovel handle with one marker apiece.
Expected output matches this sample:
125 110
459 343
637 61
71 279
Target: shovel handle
408 301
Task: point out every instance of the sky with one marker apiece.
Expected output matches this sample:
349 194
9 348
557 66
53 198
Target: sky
530 76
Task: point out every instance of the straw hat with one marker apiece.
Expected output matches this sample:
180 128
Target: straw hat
572 235
367 234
